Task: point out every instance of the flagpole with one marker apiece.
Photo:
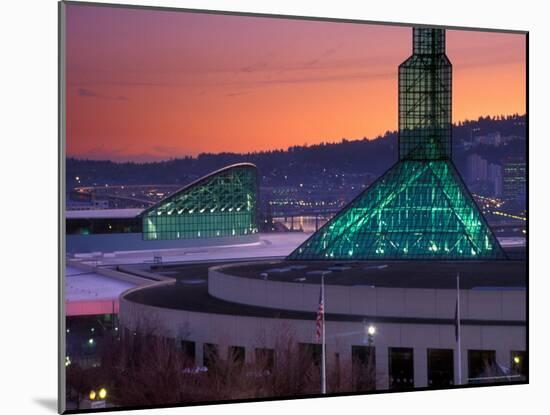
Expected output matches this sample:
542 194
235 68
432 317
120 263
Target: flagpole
323 344
459 345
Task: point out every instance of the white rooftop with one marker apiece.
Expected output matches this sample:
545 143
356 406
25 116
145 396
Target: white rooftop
102 213
86 285
270 245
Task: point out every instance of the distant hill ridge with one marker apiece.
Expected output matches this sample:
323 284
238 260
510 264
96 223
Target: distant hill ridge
298 162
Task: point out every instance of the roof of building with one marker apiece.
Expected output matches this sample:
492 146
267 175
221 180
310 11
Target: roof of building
504 274
134 212
86 285
88 293
190 293
103 213
499 274
198 182
416 210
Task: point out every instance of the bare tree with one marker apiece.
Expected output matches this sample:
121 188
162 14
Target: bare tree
142 368
363 374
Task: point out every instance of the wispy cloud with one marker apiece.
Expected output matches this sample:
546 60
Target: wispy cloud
88 93
283 74
235 94
254 67
324 54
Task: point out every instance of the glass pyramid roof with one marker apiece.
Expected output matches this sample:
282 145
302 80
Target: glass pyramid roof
417 210
221 204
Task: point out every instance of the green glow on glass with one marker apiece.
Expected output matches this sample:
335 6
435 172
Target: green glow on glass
222 204
419 209
412 211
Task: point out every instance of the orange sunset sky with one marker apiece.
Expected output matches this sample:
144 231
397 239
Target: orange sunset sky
149 85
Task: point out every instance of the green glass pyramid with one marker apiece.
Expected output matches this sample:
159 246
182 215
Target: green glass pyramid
420 208
416 210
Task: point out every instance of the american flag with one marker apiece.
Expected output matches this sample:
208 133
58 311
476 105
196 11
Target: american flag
320 313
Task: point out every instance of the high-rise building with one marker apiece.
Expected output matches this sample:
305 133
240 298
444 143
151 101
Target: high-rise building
476 168
420 208
491 139
494 175
514 178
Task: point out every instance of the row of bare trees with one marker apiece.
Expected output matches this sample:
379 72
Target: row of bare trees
144 369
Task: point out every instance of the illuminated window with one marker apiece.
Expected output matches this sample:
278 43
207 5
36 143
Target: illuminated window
223 203
417 210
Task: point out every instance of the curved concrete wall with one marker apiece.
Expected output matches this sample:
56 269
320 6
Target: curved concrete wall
259 331
370 301
252 332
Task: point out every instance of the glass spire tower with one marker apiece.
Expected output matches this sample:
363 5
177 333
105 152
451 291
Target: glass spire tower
420 208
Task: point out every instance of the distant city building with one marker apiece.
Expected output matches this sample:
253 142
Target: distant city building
514 178
491 139
476 168
76 201
508 138
100 204
494 175
281 198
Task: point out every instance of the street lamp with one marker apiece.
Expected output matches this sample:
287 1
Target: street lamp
102 393
96 399
370 331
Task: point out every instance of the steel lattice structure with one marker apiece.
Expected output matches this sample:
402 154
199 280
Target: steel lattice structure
420 208
224 203
425 82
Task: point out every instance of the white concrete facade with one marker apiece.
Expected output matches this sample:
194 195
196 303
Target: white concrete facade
254 332
422 319
483 304
115 242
